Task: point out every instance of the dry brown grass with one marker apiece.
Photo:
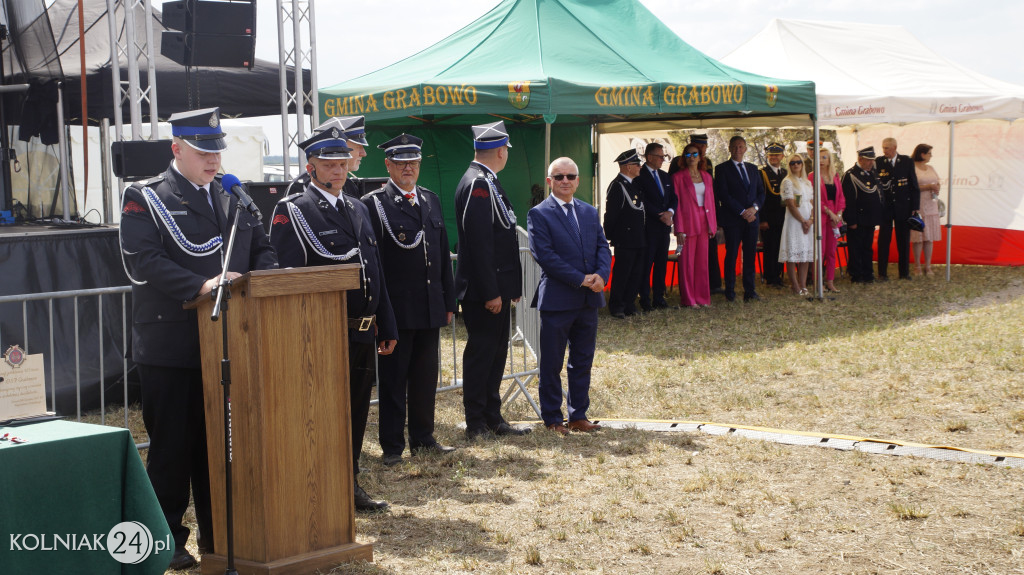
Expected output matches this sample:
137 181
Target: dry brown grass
924 361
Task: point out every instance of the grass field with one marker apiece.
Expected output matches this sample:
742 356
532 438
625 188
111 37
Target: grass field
924 361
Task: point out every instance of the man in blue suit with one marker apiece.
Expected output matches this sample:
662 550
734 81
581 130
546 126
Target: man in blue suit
739 188
568 243
660 205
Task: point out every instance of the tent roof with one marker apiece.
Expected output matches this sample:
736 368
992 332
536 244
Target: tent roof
599 59
893 78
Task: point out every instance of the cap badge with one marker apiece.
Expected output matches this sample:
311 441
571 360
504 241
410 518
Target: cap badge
334 133
405 139
213 121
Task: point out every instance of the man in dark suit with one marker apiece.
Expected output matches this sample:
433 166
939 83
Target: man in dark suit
488 278
773 213
660 205
864 209
322 226
625 227
567 242
739 188
413 246
174 230
898 180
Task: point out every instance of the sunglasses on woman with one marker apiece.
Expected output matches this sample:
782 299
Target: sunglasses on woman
560 177
796 163
691 155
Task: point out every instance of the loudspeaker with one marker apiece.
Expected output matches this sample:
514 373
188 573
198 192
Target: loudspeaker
209 50
266 196
139 160
367 185
206 17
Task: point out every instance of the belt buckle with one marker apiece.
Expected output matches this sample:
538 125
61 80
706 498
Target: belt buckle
365 323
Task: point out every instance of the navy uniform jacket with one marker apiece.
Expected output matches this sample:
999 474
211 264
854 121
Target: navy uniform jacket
565 258
624 215
352 188
654 201
863 207
734 195
773 211
419 279
336 232
488 264
899 186
165 275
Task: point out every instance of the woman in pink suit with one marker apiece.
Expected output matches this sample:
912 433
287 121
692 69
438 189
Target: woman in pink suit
832 205
695 223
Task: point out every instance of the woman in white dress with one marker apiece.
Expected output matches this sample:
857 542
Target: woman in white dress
797 247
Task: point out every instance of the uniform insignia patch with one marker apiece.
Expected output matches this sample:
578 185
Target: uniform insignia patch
480 193
327 233
280 219
133 208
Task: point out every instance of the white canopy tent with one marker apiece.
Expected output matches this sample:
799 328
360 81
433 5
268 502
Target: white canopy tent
872 81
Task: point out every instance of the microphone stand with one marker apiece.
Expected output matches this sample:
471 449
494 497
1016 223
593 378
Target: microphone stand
220 308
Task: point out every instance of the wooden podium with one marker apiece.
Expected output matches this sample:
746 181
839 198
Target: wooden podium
291 432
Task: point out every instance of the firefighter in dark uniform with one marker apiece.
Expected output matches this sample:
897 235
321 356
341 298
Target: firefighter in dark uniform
773 213
625 228
174 230
902 196
353 130
488 278
863 212
322 226
409 222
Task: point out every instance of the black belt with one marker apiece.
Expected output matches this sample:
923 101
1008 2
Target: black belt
362 323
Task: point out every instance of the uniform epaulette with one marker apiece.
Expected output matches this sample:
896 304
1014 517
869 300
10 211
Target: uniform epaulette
149 181
287 199
373 193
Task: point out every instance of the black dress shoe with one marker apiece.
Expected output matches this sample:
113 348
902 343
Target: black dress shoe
751 297
432 448
182 560
619 315
717 290
660 304
882 278
476 432
367 505
908 278
391 459
730 297
504 428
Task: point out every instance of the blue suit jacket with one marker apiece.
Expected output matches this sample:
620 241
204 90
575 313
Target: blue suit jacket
563 259
734 195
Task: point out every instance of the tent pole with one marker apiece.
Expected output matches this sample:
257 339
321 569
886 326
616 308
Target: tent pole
819 289
949 207
105 171
62 154
547 152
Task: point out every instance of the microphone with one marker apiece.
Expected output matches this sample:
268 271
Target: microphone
233 186
327 185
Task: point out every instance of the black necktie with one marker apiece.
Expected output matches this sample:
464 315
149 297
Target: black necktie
743 173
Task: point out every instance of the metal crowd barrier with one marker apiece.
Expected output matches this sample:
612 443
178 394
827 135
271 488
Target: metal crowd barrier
119 294
523 354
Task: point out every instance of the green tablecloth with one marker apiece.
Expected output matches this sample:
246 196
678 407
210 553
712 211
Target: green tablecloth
68 486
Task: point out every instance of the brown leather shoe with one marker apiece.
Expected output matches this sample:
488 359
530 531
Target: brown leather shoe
583 425
559 428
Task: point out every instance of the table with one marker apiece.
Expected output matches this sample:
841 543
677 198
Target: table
65 490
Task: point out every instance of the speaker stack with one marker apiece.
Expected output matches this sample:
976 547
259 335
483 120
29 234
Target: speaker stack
210 33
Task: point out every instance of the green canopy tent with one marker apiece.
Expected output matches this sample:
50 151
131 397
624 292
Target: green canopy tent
557 71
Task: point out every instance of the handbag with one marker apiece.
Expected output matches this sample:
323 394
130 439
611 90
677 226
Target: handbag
942 209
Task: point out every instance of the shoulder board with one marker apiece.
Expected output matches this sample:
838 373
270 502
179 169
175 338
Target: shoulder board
374 192
149 181
423 190
287 199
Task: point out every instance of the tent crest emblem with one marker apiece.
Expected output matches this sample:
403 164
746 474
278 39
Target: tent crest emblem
519 94
771 95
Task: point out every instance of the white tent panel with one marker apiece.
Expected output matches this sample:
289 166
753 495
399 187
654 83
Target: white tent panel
867 73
